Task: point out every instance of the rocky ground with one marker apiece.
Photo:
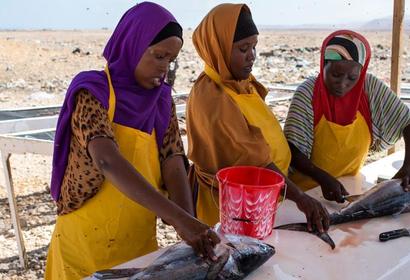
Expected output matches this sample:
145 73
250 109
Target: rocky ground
36 68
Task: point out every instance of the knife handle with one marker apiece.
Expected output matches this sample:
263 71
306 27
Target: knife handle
389 235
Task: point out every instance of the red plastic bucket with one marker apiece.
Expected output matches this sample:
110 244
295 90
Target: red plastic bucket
248 200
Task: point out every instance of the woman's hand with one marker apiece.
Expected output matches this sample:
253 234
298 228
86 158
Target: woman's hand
404 174
199 236
316 215
332 189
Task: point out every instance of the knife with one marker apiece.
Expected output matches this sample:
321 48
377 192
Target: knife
351 197
116 273
354 197
389 235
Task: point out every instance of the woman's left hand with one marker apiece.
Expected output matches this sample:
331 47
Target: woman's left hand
317 216
404 174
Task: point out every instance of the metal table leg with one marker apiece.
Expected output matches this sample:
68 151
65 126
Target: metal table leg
13 208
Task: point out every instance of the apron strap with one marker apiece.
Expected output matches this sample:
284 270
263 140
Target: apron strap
111 102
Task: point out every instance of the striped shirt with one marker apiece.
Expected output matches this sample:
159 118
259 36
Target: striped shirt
389 115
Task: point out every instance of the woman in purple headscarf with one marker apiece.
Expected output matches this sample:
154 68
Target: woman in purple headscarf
117 142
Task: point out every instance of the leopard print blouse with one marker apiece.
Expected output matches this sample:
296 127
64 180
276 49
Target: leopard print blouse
82 178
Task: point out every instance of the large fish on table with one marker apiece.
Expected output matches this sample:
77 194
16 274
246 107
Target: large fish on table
385 198
237 257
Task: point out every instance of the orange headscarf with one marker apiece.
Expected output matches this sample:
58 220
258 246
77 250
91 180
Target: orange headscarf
218 133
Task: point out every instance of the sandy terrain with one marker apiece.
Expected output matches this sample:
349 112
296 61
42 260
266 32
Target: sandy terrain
36 68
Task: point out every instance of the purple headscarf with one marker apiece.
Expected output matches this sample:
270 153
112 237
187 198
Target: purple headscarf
136 107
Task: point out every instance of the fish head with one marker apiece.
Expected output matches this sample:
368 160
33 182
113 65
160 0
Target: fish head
222 253
247 254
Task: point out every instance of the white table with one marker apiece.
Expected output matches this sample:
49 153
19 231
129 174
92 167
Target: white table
358 253
24 130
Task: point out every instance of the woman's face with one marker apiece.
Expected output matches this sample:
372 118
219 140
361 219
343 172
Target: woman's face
155 61
341 76
242 57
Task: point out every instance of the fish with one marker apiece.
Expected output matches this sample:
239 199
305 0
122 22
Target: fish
237 257
385 198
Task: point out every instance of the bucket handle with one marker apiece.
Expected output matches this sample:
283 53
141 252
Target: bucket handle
219 209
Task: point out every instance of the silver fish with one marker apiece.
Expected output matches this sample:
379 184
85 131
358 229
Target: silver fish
238 257
385 198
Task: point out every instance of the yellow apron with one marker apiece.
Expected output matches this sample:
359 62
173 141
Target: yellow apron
339 150
108 229
258 114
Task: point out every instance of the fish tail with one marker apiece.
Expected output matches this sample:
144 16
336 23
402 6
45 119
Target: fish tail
294 227
303 227
326 237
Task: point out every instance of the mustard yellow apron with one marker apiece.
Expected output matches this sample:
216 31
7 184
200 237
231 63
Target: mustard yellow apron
109 229
339 150
258 114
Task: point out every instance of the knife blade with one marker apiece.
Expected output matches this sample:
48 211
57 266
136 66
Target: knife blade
116 273
351 197
393 234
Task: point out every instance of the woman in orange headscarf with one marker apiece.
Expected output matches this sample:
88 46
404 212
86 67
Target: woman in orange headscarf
228 122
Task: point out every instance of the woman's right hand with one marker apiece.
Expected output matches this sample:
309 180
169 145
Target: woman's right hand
199 236
332 189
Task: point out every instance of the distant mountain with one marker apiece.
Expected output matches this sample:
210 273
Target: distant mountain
308 26
376 24
384 24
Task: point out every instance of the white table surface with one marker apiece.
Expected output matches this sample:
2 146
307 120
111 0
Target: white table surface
358 253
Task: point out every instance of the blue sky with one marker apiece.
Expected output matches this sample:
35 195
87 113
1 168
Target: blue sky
96 14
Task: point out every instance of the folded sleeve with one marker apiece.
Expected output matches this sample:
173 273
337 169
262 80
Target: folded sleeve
90 120
299 122
389 114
